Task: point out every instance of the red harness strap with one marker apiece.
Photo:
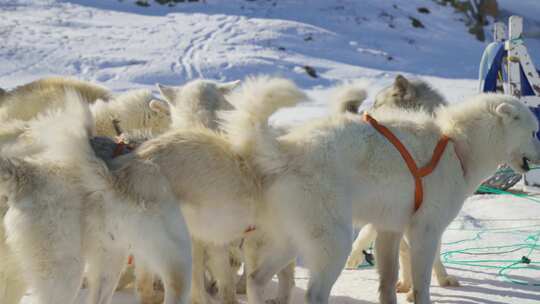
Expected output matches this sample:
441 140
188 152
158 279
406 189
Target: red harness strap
417 173
121 147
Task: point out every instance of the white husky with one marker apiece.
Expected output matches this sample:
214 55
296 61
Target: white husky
66 208
202 97
134 110
46 93
312 174
412 95
195 105
409 94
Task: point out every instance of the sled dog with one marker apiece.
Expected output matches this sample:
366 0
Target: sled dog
411 95
321 172
68 208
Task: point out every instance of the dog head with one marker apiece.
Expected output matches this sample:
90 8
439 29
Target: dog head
400 94
520 128
197 102
409 94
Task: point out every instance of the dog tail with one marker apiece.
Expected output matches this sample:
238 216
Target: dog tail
65 136
348 98
64 133
247 126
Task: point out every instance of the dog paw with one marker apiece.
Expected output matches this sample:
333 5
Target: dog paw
354 261
402 287
410 296
156 297
273 301
449 281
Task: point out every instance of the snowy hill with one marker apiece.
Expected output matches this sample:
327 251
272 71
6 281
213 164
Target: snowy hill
124 46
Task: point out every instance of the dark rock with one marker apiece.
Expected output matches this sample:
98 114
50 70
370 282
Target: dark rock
423 10
416 23
310 71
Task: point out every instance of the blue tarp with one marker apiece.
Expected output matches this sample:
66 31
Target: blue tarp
490 81
496 67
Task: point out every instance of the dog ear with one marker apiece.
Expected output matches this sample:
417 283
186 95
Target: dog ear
168 93
159 106
401 84
227 87
507 111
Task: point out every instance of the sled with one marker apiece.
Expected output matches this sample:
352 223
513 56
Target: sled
506 67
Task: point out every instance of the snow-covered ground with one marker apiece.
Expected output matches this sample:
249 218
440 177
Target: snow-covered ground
124 46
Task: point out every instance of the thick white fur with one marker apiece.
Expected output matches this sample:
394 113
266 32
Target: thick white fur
197 102
348 97
195 105
329 162
192 159
16 140
133 111
414 95
247 126
27 101
66 209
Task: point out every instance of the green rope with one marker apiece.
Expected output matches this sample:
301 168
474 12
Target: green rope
529 246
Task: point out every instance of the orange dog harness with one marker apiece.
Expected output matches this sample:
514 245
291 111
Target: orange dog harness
417 173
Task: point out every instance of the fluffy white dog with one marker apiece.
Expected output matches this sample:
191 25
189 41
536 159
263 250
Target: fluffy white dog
312 175
195 105
67 208
202 97
133 110
412 95
409 94
46 93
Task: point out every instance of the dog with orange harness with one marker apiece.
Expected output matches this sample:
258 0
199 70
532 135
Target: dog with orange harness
322 172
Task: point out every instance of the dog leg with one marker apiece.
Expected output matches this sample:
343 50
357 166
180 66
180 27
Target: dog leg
263 259
105 267
443 277
49 256
241 284
145 285
423 240
166 249
325 257
405 282
386 253
127 278
198 291
12 285
366 236
222 271
286 284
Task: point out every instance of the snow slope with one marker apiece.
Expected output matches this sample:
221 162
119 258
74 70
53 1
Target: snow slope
124 46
